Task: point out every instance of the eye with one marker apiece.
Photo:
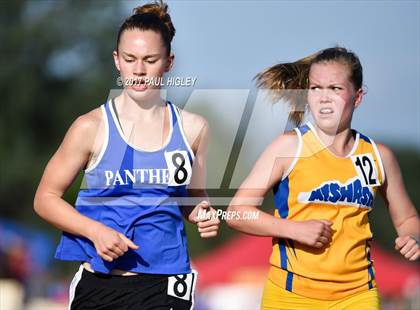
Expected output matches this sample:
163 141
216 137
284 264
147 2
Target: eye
336 88
151 61
315 88
129 60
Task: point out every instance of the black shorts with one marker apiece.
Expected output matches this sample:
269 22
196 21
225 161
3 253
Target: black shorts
138 292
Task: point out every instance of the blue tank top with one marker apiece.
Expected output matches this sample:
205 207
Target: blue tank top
136 193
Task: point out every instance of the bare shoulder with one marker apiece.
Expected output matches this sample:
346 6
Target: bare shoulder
88 121
384 150
195 127
280 153
285 145
193 122
84 130
387 155
274 162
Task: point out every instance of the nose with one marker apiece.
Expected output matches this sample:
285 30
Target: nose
325 96
139 68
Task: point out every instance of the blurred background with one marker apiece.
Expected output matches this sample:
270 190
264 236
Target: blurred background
55 64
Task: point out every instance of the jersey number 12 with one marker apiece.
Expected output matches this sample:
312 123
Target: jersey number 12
366 169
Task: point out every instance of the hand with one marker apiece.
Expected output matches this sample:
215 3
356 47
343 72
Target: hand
408 247
109 243
315 233
205 217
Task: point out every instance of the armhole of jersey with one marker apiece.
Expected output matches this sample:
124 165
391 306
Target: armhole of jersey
181 129
104 144
299 149
378 156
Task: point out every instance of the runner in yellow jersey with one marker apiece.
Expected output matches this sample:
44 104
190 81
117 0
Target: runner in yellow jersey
324 176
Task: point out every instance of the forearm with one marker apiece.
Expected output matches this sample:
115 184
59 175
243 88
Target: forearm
63 216
409 227
264 225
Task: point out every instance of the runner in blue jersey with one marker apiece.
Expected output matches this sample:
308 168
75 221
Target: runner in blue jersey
142 158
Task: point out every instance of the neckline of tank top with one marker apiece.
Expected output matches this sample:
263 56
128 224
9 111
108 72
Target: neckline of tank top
352 151
123 137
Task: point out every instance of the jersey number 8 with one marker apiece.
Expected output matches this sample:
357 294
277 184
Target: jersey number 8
179 168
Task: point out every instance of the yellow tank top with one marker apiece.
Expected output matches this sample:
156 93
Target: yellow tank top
320 185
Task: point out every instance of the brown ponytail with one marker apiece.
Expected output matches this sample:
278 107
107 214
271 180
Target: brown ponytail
152 16
283 77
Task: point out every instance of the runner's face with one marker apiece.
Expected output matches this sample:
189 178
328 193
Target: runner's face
332 97
141 59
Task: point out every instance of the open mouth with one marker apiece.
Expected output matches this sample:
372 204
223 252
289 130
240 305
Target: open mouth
326 111
138 84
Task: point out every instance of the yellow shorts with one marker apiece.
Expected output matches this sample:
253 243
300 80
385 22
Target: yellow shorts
275 297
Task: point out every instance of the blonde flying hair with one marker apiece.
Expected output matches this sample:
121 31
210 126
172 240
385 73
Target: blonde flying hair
285 78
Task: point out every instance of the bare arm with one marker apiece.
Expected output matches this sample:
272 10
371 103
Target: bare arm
267 172
197 132
197 186
61 170
402 211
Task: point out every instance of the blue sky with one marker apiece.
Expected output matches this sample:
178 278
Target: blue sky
225 43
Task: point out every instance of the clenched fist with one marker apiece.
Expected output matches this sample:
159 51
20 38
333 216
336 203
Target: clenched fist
408 247
315 233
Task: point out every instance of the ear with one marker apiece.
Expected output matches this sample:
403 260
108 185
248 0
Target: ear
116 60
358 98
170 62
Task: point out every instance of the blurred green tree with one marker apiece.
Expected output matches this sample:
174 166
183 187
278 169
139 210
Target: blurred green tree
55 65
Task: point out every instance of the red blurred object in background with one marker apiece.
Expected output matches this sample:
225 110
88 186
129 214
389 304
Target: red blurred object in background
245 259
